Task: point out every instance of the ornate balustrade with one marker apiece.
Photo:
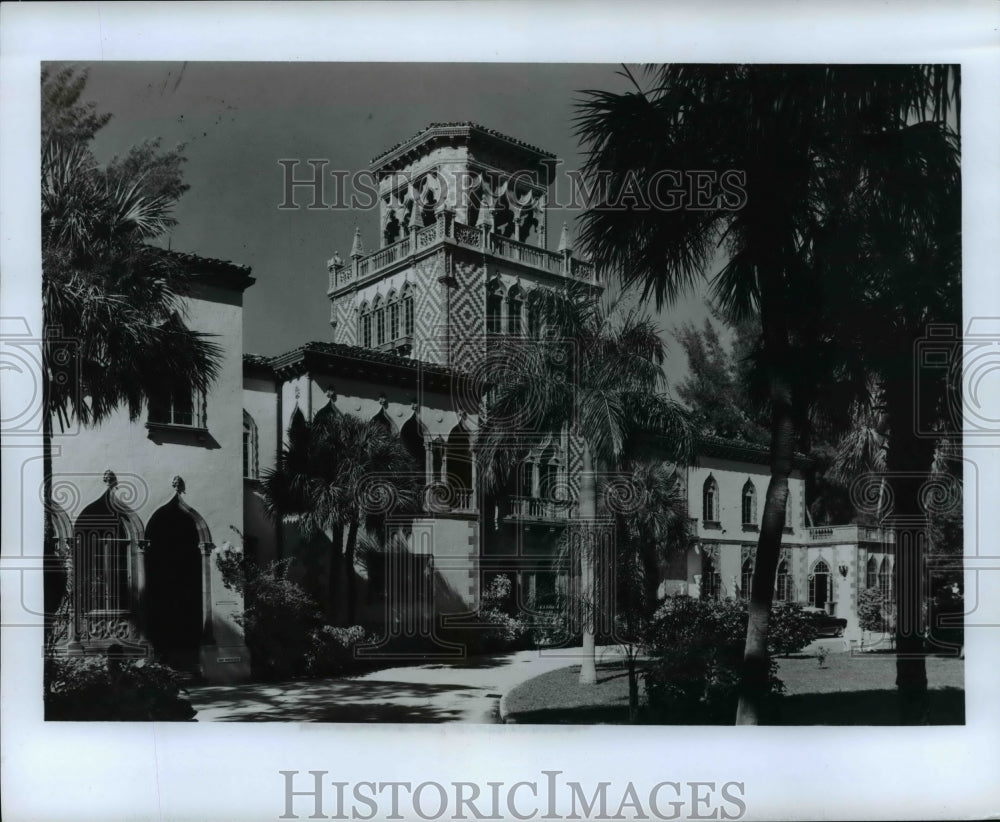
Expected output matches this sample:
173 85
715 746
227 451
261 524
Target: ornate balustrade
537 508
464 235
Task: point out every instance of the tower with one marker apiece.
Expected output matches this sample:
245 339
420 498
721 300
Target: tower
462 238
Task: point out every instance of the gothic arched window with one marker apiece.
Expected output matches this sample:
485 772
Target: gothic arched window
711 581
378 309
406 300
494 308
365 326
710 500
819 585
393 306
783 591
871 573
250 454
749 503
515 307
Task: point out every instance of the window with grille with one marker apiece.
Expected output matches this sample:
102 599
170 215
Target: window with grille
407 301
885 580
366 330
746 578
393 320
871 573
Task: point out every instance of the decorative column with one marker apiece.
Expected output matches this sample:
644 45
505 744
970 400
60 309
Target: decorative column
140 584
474 474
208 635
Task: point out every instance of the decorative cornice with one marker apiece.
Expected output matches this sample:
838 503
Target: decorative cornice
450 131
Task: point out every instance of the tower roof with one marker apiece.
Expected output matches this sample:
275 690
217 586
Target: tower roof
467 133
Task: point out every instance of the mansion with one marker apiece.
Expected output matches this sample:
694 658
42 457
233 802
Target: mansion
141 509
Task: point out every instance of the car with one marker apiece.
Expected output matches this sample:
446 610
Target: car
826 625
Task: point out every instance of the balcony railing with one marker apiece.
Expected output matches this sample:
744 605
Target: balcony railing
537 509
850 533
530 255
445 227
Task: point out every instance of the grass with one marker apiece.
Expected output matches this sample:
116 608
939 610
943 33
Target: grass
849 690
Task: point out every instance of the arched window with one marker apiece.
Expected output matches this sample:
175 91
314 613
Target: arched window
515 307
871 573
393 305
378 309
494 308
534 321
406 299
749 503
819 585
746 577
101 560
783 590
365 325
885 580
525 484
251 468
711 582
710 500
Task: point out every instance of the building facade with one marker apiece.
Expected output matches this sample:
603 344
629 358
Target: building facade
141 509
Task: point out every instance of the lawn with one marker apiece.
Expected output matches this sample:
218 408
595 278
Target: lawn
848 689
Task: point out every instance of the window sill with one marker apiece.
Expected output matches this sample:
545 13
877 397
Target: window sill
200 433
711 524
749 527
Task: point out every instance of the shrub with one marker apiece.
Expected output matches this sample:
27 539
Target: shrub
696 649
332 651
279 618
946 628
498 629
870 610
96 688
789 630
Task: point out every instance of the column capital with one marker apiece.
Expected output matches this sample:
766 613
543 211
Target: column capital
206 548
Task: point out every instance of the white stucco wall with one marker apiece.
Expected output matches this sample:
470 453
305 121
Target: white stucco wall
145 461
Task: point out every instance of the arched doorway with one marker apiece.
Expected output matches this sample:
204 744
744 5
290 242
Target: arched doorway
174 619
460 465
819 585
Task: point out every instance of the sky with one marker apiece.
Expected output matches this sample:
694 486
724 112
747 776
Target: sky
237 120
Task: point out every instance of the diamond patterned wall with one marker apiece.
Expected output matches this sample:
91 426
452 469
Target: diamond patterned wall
467 312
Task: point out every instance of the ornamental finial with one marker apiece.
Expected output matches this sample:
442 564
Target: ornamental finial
357 247
110 479
564 243
177 483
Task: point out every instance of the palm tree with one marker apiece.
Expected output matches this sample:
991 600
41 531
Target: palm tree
649 505
335 475
787 137
585 374
113 305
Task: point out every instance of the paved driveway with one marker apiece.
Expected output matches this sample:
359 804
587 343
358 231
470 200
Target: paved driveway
464 691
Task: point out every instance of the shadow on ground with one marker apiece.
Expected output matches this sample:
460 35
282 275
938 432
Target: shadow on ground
946 707
339 701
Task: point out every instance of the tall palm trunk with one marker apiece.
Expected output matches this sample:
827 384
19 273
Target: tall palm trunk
908 464
349 575
334 583
587 534
756 662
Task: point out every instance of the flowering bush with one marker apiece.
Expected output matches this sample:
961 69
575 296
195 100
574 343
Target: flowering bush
696 649
498 629
98 688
